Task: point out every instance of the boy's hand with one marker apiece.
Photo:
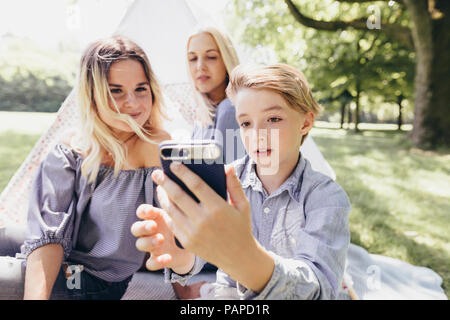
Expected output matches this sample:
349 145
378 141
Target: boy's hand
213 229
154 236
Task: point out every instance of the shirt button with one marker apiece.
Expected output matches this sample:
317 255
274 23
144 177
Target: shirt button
266 210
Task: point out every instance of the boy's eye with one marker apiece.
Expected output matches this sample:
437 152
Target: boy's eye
274 119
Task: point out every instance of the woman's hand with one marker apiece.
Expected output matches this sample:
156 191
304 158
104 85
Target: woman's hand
213 229
155 237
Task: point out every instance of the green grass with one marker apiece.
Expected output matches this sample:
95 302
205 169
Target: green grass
19 131
14 148
399 195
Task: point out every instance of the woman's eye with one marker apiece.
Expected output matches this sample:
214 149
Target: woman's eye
193 59
245 124
141 89
115 91
212 58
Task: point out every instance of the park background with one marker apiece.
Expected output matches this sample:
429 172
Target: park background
384 130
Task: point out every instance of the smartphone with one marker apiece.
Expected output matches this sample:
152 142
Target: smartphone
203 157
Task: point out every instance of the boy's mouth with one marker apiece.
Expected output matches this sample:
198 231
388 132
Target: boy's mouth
263 152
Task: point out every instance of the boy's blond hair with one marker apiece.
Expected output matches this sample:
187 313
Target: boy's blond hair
285 80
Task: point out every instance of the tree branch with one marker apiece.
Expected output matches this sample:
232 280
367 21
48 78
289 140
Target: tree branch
364 1
360 1
396 32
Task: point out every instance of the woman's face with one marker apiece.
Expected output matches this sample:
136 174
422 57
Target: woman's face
132 93
206 66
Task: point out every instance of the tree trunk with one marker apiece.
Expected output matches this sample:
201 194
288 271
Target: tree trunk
400 111
349 116
432 44
357 99
358 84
342 114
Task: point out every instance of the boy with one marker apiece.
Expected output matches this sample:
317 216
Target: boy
284 234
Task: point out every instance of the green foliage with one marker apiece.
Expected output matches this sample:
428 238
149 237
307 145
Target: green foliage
32 79
335 62
27 92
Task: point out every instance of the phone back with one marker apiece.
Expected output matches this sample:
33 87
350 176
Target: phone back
203 157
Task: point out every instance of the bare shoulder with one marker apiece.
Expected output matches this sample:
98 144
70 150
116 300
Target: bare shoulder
162 136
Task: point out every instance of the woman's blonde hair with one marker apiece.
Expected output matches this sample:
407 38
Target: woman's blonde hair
230 59
285 80
96 138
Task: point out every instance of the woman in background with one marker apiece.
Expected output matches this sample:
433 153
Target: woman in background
211 58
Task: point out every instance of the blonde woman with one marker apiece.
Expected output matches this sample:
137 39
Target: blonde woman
211 57
86 192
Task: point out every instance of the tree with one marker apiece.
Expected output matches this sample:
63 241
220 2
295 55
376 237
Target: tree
428 34
341 66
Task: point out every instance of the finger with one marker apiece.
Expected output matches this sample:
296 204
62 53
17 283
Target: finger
178 222
158 262
176 194
150 244
147 211
181 235
144 228
210 199
234 187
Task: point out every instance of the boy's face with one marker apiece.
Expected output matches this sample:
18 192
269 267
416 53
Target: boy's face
271 130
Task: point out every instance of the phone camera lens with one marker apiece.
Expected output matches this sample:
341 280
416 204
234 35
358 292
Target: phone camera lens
166 152
183 153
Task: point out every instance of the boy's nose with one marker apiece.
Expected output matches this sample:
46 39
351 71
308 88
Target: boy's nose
259 136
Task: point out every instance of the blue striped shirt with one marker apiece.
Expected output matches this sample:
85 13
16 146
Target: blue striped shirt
92 222
303 225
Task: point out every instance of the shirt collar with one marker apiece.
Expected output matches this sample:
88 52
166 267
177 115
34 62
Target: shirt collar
292 183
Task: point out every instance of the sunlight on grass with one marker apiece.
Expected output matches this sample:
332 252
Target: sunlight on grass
399 196
14 148
26 122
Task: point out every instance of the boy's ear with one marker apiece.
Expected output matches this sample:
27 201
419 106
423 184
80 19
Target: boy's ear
308 122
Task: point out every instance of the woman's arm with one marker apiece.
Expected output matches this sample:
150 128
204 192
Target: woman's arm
43 265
